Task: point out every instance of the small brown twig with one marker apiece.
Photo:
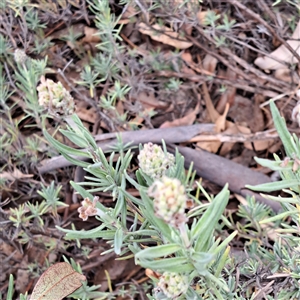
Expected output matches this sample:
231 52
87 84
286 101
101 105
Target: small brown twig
238 60
259 19
237 83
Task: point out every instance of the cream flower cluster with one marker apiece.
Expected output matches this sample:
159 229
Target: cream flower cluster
169 200
173 284
154 162
55 97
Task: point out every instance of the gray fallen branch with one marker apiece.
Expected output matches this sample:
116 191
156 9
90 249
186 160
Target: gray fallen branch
207 165
220 171
106 141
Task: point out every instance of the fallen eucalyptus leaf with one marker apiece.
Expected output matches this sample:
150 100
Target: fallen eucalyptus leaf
164 35
57 282
281 54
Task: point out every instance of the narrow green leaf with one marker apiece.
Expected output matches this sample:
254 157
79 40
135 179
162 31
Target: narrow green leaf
118 241
274 186
81 191
74 138
139 177
273 165
85 194
282 130
75 161
148 212
174 264
202 257
204 228
10 291
97 232
84 131
282 199
63 149
225 243
280 216
143 232
158 251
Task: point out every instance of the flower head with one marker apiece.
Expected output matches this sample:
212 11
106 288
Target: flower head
20 56
169 200
173 284
88 208
153 161
55 97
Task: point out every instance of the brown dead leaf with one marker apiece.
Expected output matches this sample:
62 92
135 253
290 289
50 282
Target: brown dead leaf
165 35
242 111
227 146
213 146
281 54
229 95
212 112
139 119
116 269
209 63
22 280
75 3
221 121
259 145
186 120
16 174
120 107
128 16
57 282
150 273
149 100
287 75
201 16
91 35
187 57
86 113
78 29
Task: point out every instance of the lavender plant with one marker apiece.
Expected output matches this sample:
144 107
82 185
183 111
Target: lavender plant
164 235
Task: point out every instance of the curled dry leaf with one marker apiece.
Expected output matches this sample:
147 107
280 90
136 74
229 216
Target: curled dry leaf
210 63
259 145
57 282
201 16
128 16
91 35
281 54
148 100
287 75
16 174
187 57
184 121
213 146
150 273
165 35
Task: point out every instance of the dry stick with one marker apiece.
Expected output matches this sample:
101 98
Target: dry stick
240 61
220 170
237 83
259 19
228 36
267 9
169 135
217 56
209 166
